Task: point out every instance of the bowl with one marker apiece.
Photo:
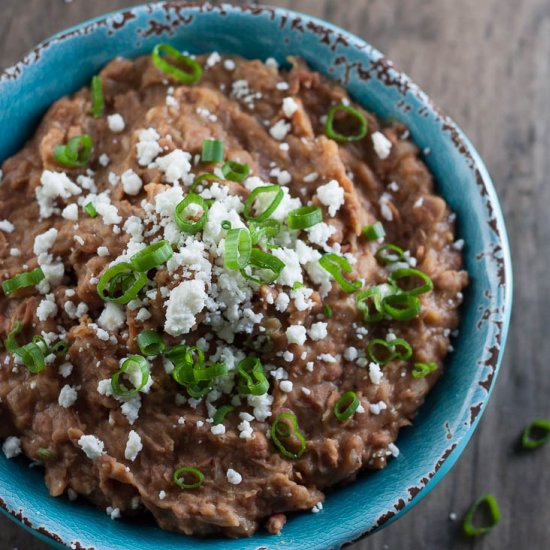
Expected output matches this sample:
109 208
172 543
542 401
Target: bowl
445 423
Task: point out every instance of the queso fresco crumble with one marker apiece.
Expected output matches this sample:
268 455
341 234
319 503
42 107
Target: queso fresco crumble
226 288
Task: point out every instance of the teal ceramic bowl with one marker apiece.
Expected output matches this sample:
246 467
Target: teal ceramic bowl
64 63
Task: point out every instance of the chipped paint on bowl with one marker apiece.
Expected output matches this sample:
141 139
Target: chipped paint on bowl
64 63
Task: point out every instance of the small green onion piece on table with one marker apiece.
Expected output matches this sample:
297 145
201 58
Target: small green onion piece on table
152 256
420 370
271 207
150 343
351 114
183 222
135 364
98 102
120 283
286 436
374 232
23 280
336 266
346 405
194 477
490 503
189 74
305 217
536 434
212 150
235 171
76 153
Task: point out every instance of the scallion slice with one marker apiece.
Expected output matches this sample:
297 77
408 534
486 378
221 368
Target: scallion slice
235 171
222 412
23 280
197 478
336 266
76 153
10 343
420 370
154 255
238 248
150 343
286 436
384 351
401 307
536 434
346 405
200 180
408 272
32 356
134 364
355 115
252 379
192 71
374 232
271 207
263 262
389 254
209 371
212 150
327 311
46 454
98 102
268 229
120 283
490 502
183 222
90 210
304 217
369 303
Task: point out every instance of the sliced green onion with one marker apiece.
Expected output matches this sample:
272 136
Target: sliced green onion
369 303
89 208
10 343
335 265
263 262
354 114
268 229
391 350
212 150
490 502
346 406
222 412
150 343
406 272
238 248
183 223
201 179
23 280
60 348
298 285
401 307
209 371
192 72
374 232
76 153
120 279
32 356
252 379
152 256
304 217
389 254
235 171
287 437
327 311
262 216
420 370
133 363
197 477
46 454
226 225
98 102
536 434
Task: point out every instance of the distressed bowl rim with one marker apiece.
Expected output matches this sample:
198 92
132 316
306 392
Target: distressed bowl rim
445 462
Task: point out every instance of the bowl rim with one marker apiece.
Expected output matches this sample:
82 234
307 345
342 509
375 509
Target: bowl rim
462 143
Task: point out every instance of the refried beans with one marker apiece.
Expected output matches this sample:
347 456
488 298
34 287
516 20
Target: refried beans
218 350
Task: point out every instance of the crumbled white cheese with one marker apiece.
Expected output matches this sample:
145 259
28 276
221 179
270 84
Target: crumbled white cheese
229 65
133 446
112 317
318 331
47 308
218 429
104 160
70 212
375 374
332 195
317 508
382 145
296 334
148 147
7 226
116 123
286 386
67 396
185 302
234 477
65 369
54 185
92 446
131 182
102 251
289 106
12 447
279 130
175 166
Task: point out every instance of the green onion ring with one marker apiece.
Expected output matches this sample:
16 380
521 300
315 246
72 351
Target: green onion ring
238 248
209 371
492 506
389 254
132 362
89 208
337 136
374 232
212 150
264 261
304 217
191 227
327 311
268 229
235 171
410 272
395 349
46 454
122 274
401 307
221 413
193 71
346 405
98 102
335 265
76 153
283 427
252 379
420 370
279 194
179 480
528 438
150 343
23 280
10 343
207 177
32 356
152 256
374 313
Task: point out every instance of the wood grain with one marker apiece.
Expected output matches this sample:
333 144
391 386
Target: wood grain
487 63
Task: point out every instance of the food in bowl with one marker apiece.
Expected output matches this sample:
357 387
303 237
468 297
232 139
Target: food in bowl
226 289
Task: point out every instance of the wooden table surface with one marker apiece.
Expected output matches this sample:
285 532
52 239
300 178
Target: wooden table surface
487 64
